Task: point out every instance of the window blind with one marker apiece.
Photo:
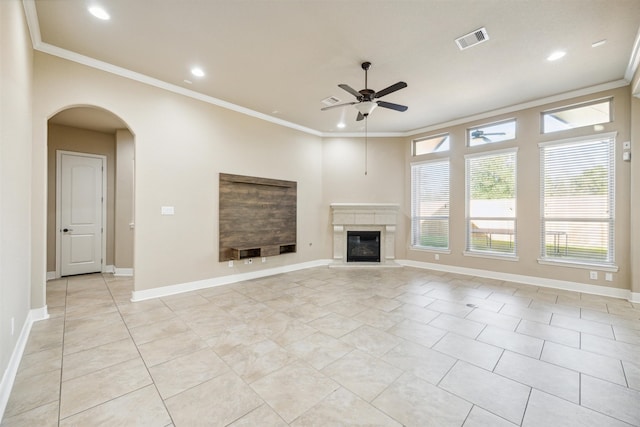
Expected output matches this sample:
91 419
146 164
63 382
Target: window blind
491 202
577 199
430 204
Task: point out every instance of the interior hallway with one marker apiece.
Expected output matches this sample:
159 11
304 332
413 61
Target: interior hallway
342 346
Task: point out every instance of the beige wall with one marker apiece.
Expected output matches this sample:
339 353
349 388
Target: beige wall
123 250
68 138
16 71
344 179
181 145
528 206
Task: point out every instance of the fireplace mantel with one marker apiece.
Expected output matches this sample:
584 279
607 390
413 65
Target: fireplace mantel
364 217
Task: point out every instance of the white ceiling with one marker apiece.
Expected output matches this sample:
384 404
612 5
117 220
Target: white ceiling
281 58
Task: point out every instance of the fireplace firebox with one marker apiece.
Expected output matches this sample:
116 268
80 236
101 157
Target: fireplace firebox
363 246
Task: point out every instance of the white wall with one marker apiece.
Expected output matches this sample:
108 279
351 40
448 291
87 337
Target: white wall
16 66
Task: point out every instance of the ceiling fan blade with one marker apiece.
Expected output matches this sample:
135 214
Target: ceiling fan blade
391 89
360 117
351 90
392 106
338 105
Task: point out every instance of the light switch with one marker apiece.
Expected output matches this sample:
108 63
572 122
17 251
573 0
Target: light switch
167 210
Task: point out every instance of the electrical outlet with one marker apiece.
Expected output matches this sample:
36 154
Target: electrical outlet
608 277
231 263
593 275
437 257
626 145
264 259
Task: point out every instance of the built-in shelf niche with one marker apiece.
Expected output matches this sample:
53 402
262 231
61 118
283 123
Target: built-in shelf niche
257 217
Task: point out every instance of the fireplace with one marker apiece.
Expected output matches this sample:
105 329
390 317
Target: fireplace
363 246
370 228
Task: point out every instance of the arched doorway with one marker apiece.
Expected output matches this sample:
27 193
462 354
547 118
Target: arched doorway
88 132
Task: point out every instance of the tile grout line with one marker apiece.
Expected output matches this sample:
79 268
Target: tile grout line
139 354
64 325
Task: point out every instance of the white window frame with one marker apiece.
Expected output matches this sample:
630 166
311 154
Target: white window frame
445 136
609 264
473 129
416 237
575 107
468 219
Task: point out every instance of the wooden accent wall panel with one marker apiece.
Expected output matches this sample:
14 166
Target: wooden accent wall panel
257 216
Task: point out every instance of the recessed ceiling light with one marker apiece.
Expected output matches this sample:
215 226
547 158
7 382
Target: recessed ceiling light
197 71
599 43
99 13
556 55
341 125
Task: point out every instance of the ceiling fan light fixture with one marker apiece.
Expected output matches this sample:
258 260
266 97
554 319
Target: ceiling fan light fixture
366 107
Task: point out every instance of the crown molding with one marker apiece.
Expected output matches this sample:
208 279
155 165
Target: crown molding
39 45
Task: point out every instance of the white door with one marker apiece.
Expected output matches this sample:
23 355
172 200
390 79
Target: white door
80 213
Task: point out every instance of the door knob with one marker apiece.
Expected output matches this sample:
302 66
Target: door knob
64 230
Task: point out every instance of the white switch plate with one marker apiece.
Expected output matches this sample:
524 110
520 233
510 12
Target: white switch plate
608 277
167 210
593 275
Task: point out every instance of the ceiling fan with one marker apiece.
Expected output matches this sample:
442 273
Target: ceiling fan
366 98
479 134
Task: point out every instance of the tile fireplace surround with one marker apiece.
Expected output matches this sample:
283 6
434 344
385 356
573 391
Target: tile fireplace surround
364 217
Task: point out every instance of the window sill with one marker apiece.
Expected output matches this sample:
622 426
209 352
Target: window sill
581 265
427 249
492 256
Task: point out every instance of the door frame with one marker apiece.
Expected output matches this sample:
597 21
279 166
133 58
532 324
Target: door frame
103 255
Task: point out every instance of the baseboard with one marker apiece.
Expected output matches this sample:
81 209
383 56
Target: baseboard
16 356
635 297
529 280
224 280
108 269
51 275
124 272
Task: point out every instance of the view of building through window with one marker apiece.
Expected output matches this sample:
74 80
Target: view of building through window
432 144
592 113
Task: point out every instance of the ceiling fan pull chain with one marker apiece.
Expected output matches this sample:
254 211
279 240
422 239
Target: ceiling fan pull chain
366 144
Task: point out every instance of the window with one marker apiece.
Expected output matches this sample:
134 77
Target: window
495 132
491 203
430 204
587 114
431 144
577 199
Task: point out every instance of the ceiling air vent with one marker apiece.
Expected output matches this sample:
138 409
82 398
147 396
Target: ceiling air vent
332 100
472 39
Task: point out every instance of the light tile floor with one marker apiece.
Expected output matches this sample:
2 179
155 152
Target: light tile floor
330 347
